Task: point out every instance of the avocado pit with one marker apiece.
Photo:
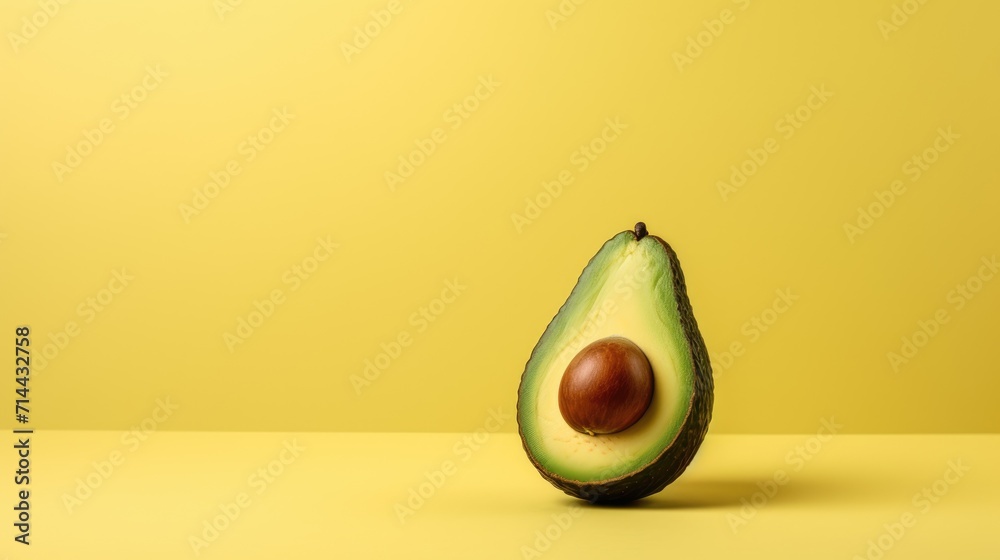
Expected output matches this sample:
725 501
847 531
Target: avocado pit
606 387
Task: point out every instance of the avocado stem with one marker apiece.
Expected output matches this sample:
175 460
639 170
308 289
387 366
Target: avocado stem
640 231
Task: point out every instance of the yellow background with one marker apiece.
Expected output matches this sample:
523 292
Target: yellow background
452 219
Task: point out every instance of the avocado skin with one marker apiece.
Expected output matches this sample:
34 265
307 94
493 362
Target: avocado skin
674 458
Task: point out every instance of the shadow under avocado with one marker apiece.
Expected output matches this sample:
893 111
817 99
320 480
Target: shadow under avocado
709 494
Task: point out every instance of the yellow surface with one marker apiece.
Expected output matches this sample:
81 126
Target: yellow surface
338 499
202 84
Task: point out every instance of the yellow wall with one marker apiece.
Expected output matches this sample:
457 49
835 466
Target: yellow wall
199 80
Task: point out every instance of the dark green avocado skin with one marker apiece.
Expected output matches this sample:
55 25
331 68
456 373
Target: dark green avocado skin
672 461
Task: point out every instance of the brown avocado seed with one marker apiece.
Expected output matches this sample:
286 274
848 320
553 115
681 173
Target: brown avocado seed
607 387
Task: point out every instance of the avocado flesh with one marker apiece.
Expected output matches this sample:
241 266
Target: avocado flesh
633 288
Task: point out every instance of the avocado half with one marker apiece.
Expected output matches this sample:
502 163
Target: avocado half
633 288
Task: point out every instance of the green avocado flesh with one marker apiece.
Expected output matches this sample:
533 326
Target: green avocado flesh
633 288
